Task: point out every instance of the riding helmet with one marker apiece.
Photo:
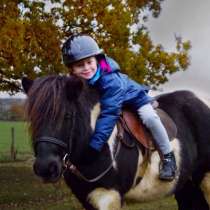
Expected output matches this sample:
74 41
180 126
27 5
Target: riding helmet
78 47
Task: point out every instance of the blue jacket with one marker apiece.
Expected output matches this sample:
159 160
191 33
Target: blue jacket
116 90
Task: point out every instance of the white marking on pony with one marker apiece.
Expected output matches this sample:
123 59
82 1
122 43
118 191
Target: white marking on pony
111 141
205 187
140 160
94 115
151 187
103 199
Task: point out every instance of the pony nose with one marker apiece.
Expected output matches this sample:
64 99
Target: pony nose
49 170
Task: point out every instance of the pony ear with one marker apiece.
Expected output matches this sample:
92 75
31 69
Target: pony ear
26 83
74 86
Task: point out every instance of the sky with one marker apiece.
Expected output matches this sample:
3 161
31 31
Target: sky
189 19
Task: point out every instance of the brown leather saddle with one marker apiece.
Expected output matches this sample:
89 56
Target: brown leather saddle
133 125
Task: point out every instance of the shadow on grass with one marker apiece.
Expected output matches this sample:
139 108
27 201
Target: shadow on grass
21 190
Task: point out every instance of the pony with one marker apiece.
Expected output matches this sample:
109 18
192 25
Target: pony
62 113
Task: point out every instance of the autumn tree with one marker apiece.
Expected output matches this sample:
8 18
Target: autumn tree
29 42
17 112
32 33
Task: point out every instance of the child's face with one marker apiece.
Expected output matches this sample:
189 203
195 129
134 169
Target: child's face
85 68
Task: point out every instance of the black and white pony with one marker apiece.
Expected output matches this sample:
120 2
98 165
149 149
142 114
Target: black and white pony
62 113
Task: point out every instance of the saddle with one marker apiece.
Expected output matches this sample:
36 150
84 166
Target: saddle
131 123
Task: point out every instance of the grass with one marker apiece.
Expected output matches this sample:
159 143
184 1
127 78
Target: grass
21 190
22 140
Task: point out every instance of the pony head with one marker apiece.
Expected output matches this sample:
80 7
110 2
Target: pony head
54 109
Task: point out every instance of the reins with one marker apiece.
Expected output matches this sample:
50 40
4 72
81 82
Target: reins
66 161
67 164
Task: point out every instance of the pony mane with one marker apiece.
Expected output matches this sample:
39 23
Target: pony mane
45 102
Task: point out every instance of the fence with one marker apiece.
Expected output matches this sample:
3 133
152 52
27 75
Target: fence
14 140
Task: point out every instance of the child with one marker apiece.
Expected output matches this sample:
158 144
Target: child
84 58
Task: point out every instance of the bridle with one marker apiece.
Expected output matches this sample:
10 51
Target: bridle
67 147
51 140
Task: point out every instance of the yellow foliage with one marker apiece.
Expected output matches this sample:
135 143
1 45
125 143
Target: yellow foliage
31 37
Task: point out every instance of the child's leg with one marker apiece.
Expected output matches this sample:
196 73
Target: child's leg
153 123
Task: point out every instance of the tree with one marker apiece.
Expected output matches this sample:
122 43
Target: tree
29 43
17 112
32 33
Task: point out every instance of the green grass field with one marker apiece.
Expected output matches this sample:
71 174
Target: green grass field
22 190
22 138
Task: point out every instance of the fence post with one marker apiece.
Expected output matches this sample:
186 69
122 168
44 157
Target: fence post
12 148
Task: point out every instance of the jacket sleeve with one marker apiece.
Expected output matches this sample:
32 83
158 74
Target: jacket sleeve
113 92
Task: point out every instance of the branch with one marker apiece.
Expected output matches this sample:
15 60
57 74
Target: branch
12 85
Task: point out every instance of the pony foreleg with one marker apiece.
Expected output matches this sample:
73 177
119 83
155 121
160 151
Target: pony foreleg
103 199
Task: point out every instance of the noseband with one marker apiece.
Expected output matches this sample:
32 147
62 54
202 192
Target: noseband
51 140
66 159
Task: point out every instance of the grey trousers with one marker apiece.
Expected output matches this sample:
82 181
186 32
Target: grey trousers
152 121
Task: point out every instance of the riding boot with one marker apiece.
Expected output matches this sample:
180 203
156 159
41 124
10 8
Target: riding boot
168 167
